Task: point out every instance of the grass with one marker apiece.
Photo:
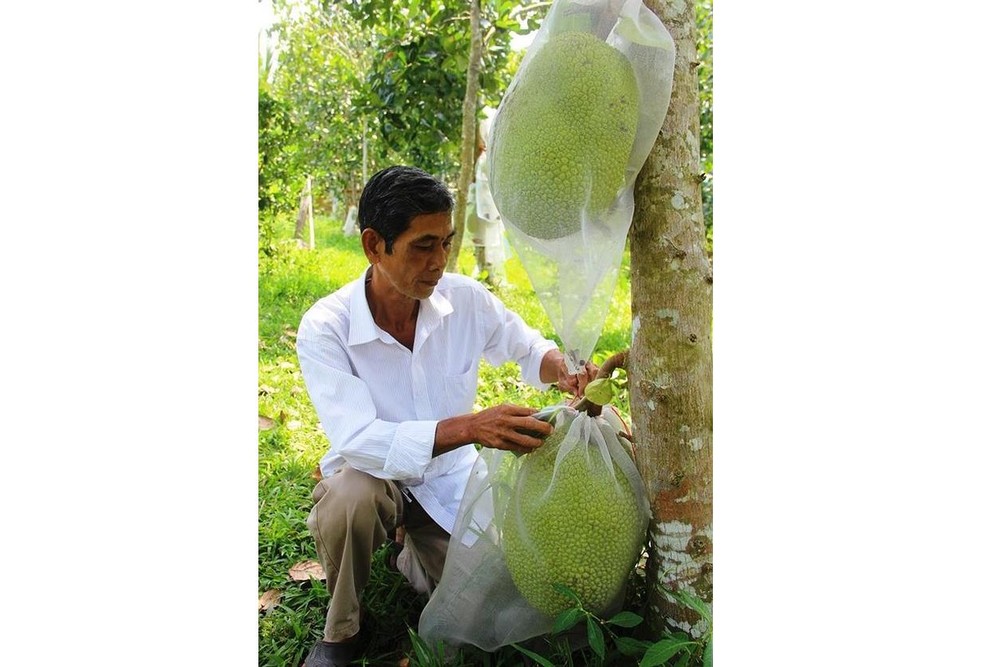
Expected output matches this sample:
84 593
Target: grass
292 442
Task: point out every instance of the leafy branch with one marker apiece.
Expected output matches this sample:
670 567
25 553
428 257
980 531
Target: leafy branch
610 644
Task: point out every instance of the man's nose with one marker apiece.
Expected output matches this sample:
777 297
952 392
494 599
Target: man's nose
440 257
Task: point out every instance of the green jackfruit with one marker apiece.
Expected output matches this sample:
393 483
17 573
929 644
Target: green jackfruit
563 136
576 527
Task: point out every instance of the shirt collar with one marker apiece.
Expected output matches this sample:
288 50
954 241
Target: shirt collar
437 306
433 309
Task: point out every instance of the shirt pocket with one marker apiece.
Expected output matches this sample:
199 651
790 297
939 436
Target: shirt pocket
460 391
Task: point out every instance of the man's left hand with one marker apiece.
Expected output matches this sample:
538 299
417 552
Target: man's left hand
575 383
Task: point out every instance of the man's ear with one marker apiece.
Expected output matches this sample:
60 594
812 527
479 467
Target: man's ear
373 245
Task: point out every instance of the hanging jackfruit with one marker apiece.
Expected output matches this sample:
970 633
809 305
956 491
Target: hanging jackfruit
571 522
563 135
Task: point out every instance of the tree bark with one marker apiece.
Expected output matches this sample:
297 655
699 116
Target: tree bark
670 370
469 109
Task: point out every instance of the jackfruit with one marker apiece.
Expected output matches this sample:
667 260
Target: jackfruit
570 524
563 136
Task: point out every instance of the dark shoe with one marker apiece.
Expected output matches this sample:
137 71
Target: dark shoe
340 654
326 654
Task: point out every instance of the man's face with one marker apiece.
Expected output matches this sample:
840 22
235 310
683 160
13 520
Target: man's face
419 255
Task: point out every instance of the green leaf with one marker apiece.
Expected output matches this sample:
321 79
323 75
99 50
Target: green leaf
595 637
567 620
565 591
706 659
632 646
691 602
662 651
625 619
600 391
534 656
423 652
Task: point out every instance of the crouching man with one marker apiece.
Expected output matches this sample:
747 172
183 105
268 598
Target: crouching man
391 364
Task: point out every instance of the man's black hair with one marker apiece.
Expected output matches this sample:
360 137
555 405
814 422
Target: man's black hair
396 195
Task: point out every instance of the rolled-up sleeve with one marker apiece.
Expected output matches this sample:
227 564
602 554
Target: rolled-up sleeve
343 402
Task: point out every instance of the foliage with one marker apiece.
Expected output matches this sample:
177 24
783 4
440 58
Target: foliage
609 643
398 23
416 86
277 172
323 54
703 20
415 94
396 68
580 637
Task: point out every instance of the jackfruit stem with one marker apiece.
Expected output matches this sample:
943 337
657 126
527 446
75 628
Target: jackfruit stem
618 360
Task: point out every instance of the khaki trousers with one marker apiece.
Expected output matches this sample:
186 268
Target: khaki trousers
353 513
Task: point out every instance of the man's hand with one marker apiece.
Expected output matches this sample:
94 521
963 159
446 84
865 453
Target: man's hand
507 427
510 427
554 369
576 383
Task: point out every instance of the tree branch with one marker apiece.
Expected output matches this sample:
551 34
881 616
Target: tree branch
618 360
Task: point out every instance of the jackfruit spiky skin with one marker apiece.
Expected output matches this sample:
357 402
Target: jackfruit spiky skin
583 534
563 136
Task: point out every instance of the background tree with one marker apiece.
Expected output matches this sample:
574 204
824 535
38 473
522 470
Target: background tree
670 370
322 57
277 171
470 123
703 15
387 80
415 86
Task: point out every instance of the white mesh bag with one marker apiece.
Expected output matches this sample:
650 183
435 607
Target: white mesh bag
573 512
569 138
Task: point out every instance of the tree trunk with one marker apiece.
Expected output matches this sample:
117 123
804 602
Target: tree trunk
469 109
305 206
670 372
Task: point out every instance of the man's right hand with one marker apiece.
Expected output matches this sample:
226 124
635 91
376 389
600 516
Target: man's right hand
504 427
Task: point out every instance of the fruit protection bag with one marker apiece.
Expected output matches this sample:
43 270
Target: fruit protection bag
573 512
573 130
484 225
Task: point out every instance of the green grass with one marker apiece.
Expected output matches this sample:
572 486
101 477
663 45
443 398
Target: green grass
289 283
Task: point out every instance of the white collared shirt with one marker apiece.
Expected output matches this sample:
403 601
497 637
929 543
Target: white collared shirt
379 403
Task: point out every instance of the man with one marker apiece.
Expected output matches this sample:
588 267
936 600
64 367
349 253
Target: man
391 364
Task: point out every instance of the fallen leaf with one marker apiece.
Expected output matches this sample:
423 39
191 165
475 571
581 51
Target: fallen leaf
265 390
290 332
264 423
293 425
404 661
317 474
268 600
286 364
306 570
